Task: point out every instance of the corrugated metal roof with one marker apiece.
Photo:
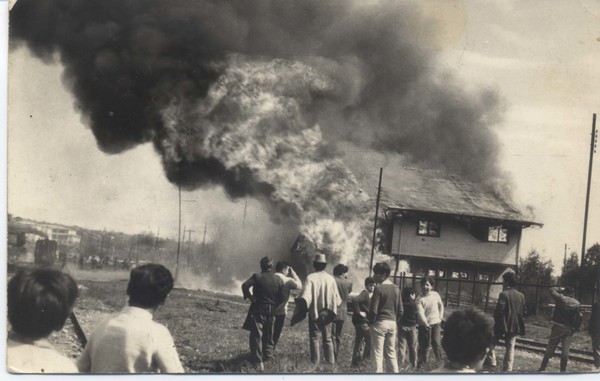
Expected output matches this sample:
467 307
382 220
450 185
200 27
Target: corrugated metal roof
405 188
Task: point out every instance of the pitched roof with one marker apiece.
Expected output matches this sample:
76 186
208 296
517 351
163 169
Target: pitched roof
406 188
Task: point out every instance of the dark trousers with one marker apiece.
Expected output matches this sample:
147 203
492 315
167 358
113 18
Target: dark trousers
336 330
596 349
277 328
317 328
407 342
429 337
261 332
362 344
559 334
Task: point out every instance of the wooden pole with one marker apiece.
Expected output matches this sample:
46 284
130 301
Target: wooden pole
589 184
178 237
375 224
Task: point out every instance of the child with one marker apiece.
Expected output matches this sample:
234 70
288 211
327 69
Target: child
362 341
385 311
344 286
130 341
430 311
39 302
407 329
468 336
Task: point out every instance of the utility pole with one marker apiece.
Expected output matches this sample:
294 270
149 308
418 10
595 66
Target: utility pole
244 218
178 237
204 237
375 224
565 259
593 144
156 241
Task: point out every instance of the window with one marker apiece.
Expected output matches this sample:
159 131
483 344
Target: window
497 233
428 228
459 275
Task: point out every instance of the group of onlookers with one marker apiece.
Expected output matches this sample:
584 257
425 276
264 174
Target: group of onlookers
384 318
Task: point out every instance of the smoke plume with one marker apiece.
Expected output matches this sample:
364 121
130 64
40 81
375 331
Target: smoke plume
254 95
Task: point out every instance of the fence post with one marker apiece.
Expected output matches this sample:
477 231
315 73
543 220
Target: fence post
446 299
473 294
487 295
414 279
458 301
537 294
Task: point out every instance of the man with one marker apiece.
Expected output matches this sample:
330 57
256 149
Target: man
290 282
267 294
385 312
322 300
508 321
594 329
565 321
131 341
344 286
360 305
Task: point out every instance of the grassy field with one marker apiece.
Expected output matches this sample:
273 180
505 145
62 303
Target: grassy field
207 330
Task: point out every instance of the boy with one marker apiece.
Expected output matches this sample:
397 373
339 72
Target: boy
468 336
39 302
344 286
130 341
360 305
385 312
407 328
430 313
291 281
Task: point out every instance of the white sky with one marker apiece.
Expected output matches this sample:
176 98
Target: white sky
544 59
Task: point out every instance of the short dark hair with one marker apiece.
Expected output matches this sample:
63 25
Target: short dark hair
382 268
427 279
149 285
509 278
319 266
266 263
281 265
406 291
340 269
369 280
468 334
40 301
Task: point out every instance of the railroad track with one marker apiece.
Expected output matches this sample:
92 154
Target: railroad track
540 348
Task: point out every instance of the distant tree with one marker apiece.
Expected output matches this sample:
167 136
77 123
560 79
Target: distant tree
592 256
570 271
535 269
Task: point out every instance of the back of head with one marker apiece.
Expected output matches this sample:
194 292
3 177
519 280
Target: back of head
509 278
340 270
382 268
266 263
40 301
406 292
281 265
149 285
369 281
467 336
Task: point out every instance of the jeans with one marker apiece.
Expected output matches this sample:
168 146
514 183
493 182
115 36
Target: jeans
261 333
336 330
429 337
407 340
383 344
509 355
316 327
277 328
559 334
362 343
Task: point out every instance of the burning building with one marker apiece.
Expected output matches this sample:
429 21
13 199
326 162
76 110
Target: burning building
447 227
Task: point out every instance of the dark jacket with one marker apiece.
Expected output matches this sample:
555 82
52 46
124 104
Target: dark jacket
509 313
595 320
409 318
386 303
565 309
344 287
267 288
361 303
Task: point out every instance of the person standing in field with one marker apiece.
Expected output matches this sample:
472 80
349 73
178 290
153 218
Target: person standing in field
468 336
594 329
385 312
291 281
360 309
508 322
322 301
131 341
344 286
566 319
39 302
407 329
430 313
267 294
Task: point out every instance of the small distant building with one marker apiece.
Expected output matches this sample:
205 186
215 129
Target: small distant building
447 227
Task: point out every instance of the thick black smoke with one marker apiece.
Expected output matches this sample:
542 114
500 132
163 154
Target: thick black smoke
125 61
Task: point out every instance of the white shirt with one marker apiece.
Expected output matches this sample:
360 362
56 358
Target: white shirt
288 284
320 291
37 356
130 342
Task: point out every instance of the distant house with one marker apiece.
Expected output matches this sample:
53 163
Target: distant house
449 228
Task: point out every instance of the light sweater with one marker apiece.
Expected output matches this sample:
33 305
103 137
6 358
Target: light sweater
320 291
130 342
37 356
430 308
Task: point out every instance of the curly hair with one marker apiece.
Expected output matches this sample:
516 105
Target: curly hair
149 285
467 336
40 301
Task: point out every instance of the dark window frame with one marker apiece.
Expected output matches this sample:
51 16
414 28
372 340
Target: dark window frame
429 221
498 227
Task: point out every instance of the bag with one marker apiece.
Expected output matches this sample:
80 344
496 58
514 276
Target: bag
248 322
327 316
300 311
